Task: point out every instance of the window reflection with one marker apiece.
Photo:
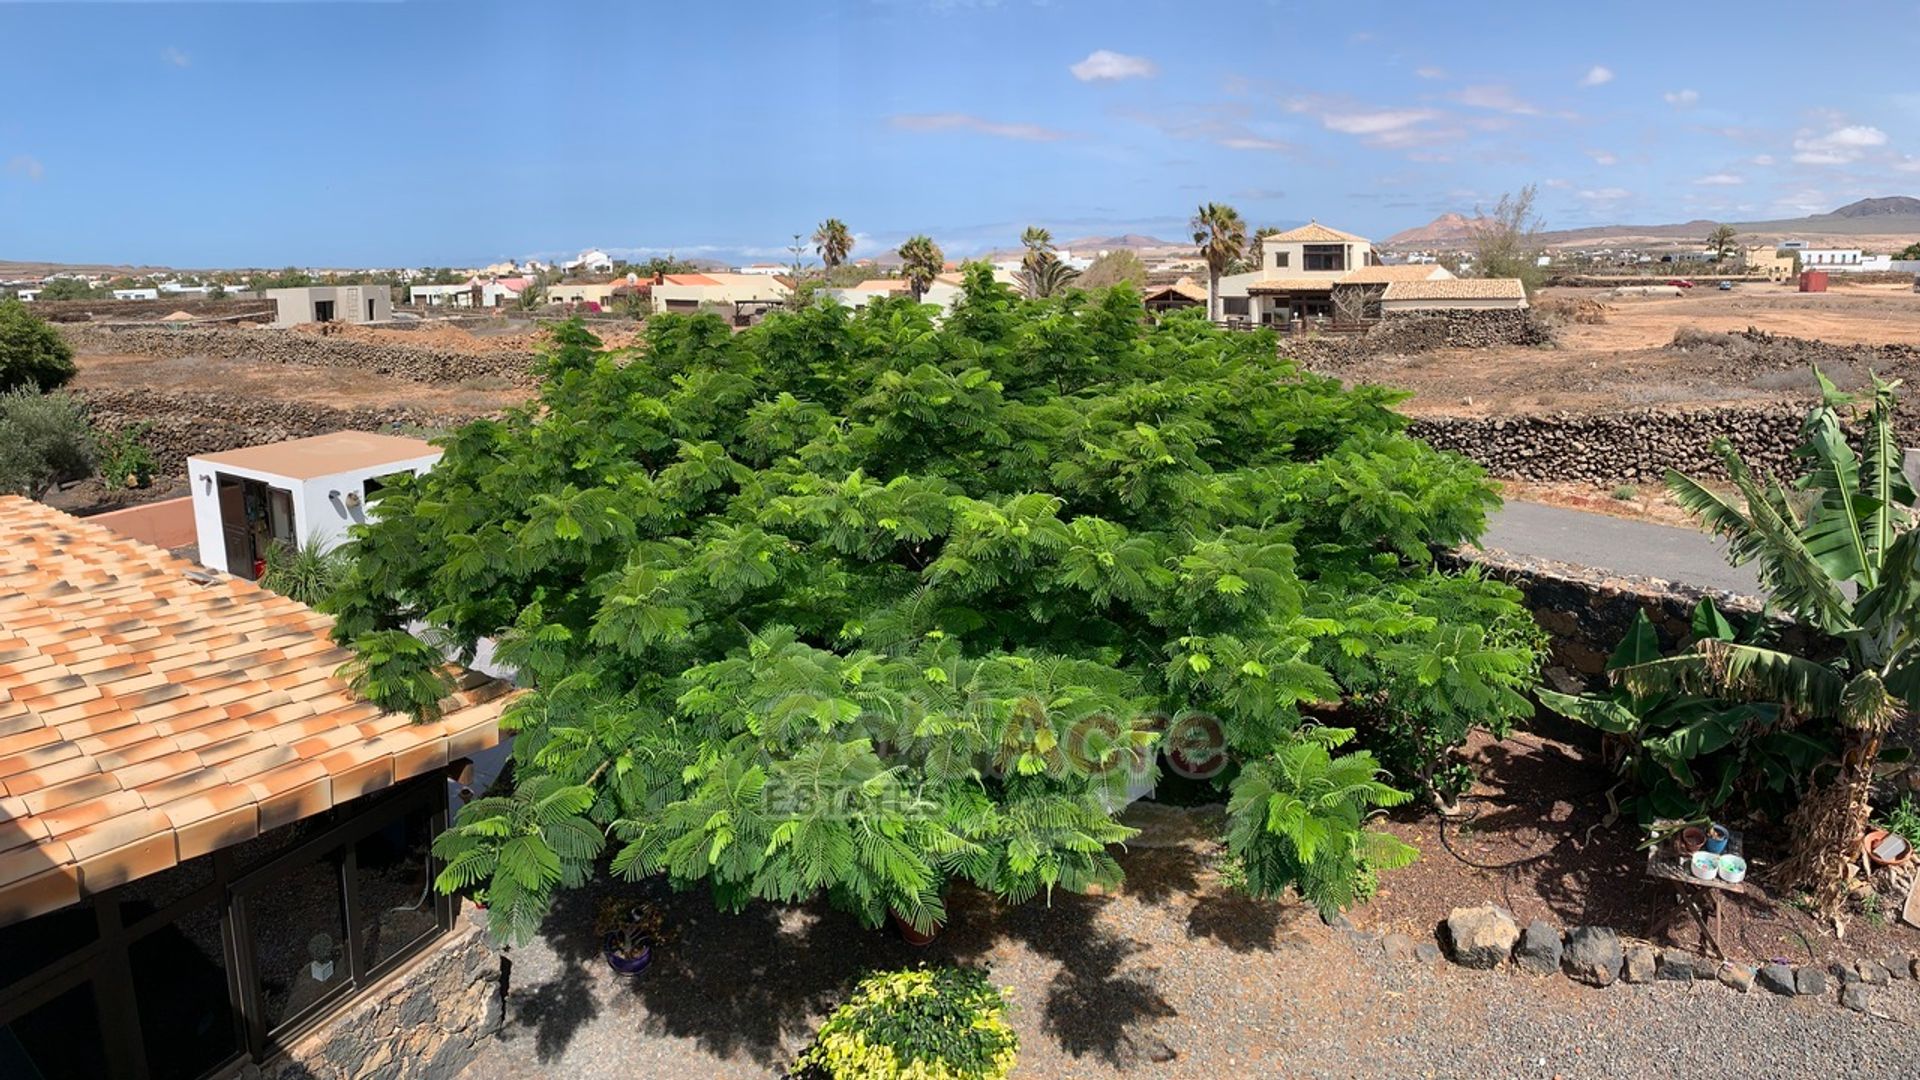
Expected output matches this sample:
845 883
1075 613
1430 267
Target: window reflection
180 984
299 938
60 1040
396 904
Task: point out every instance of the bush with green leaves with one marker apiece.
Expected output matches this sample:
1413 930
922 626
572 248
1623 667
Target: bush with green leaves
307 573
33 355
45 439
851 605
943 1023
1693 756
125 460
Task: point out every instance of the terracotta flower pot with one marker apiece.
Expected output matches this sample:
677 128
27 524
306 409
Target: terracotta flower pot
1875 838
1691 839
914 937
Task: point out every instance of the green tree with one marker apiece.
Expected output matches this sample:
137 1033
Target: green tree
1720 241
32 354
1113 268
920 262
1047 278
833 243
1910 252
1222 238
1847 566
67 288
44 440
852 604
1506 243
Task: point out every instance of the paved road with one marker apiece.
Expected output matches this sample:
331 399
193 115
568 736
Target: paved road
1617 544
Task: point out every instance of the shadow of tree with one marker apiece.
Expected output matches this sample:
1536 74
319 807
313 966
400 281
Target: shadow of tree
1244 924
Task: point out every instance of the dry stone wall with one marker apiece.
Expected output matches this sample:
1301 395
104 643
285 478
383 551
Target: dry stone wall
1636 446
1413 332
183 424
411 362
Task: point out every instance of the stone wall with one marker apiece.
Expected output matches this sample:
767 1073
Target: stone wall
1588 611
182 424
1423 331
423 1022
1629 445
265 345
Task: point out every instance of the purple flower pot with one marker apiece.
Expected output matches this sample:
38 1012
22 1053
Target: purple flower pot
626 965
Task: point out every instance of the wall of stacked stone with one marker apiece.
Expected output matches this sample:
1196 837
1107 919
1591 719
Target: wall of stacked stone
1588 612
265 345
1625 446
1423 331
182 424
425 1022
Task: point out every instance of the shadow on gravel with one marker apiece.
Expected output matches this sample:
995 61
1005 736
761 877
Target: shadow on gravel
1244 924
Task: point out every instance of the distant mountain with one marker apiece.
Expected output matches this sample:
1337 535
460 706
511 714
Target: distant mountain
1131 241
1888 222
1445 229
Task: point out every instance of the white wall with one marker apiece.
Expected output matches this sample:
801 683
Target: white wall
318 515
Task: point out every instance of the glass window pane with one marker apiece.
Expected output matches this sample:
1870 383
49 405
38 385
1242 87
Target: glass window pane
58 1041
299 937
26 947
144 896
396 903
180 983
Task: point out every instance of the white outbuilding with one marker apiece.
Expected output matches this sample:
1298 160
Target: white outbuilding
302 491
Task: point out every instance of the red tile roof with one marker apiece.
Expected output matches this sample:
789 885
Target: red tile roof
151 712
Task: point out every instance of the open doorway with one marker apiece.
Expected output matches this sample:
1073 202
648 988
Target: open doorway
323 311
254 516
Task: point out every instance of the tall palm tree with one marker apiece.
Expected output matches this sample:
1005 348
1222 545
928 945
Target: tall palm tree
1039 245
1849 569
1222 238
920 262
832 242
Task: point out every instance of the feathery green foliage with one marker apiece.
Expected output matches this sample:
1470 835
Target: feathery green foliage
855 604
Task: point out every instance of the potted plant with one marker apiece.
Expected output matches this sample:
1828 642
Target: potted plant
628 933
945 1022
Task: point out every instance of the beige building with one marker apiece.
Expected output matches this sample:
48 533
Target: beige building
1298 277
331 303
597 293
746 294
1768 260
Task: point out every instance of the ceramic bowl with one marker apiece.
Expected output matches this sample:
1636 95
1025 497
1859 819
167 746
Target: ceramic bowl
1733 869
1706 865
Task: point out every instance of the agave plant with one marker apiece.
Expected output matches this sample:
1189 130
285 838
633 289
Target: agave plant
1848 567
307 573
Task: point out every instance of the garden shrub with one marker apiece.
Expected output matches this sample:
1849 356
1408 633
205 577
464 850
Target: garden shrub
33 356
943 1023
44 440
850 605
125 460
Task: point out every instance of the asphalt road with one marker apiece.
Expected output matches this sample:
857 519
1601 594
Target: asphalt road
1686 556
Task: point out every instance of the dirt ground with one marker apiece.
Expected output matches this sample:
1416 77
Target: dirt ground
338 387
1628 361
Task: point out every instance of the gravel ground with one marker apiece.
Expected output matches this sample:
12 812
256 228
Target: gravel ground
1168 978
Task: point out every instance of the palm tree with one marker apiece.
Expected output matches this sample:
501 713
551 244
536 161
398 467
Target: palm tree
1222 237
832 242
1047 278
1848 569
920 262
1721 241
1039 245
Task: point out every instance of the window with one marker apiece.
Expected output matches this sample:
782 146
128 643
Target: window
1280 259
323 311
181 974
1324 257
1235 305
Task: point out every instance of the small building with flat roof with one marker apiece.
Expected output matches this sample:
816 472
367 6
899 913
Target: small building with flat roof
298 492
331 303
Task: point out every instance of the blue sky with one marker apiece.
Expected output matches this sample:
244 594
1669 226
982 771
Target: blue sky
348 134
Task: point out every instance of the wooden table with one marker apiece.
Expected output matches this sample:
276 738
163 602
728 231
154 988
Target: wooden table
1699 897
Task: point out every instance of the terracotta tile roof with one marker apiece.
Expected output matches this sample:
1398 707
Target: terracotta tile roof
1457 289
1186 289
151 712
687 279
1315 233
1387 275
1292 283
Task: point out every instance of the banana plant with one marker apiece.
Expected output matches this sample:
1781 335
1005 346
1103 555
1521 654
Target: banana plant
1848 567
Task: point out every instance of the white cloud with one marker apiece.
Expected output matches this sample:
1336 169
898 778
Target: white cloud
1597 75
1497 98
1604 195
1682 99
1603 157
1430 72
1105 64
964 122
1838 147
175 57
26 165
1719 179
1378 122
1253 142
1763 159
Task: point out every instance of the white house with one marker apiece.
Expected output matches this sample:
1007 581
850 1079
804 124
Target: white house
1843 260
331 303
944 291
136 294
296 492
26 296
593 261
765 269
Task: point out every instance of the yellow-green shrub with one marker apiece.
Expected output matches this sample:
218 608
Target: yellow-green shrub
942 1023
